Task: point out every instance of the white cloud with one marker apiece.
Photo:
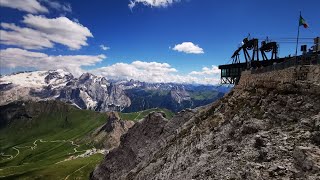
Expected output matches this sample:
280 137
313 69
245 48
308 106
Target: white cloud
103 47
207 71
60 30
152 72
34 6
30 6
43 32
152 3
65 7
15 57
189 48
23 37
145 71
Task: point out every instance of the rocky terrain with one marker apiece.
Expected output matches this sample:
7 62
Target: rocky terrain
268 127
99 94
109 133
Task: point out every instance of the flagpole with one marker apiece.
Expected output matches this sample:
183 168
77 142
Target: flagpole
298 35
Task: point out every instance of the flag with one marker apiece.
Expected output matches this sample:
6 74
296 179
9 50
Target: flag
302 22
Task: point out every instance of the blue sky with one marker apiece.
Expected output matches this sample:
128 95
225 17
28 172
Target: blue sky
145 33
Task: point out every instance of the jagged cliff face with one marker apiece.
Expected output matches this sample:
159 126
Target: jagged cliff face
86 92
179 94
267 127
96 93
99 94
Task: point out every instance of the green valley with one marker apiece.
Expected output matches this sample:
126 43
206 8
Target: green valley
52 140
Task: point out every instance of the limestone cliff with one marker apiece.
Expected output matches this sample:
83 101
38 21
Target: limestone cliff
268 127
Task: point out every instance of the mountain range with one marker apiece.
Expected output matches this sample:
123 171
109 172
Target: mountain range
100 94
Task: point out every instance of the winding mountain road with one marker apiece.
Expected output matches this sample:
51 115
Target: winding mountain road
4 155
35 146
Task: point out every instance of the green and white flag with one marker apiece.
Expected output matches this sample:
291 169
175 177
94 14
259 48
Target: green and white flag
302 22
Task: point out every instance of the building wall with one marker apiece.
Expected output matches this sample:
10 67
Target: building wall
294 79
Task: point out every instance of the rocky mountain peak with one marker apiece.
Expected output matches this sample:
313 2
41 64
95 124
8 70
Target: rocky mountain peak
113 121
109 134
58 75
179 94
85 77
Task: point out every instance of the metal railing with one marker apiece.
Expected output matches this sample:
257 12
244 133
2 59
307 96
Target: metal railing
314 60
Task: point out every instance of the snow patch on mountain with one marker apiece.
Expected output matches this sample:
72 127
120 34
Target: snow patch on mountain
30 79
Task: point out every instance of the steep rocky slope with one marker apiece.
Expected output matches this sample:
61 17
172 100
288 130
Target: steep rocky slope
268 127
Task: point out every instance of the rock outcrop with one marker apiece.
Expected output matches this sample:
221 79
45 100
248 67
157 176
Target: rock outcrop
260 130
108 135
143 139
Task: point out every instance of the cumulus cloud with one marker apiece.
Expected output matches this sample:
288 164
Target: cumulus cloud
30 6
23 37
145 71
60 30
189 48
34 6
153 72
208 74
15 57
214 70
152 3
103 47
65 7
42 32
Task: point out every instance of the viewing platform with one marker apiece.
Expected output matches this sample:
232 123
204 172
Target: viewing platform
231 73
